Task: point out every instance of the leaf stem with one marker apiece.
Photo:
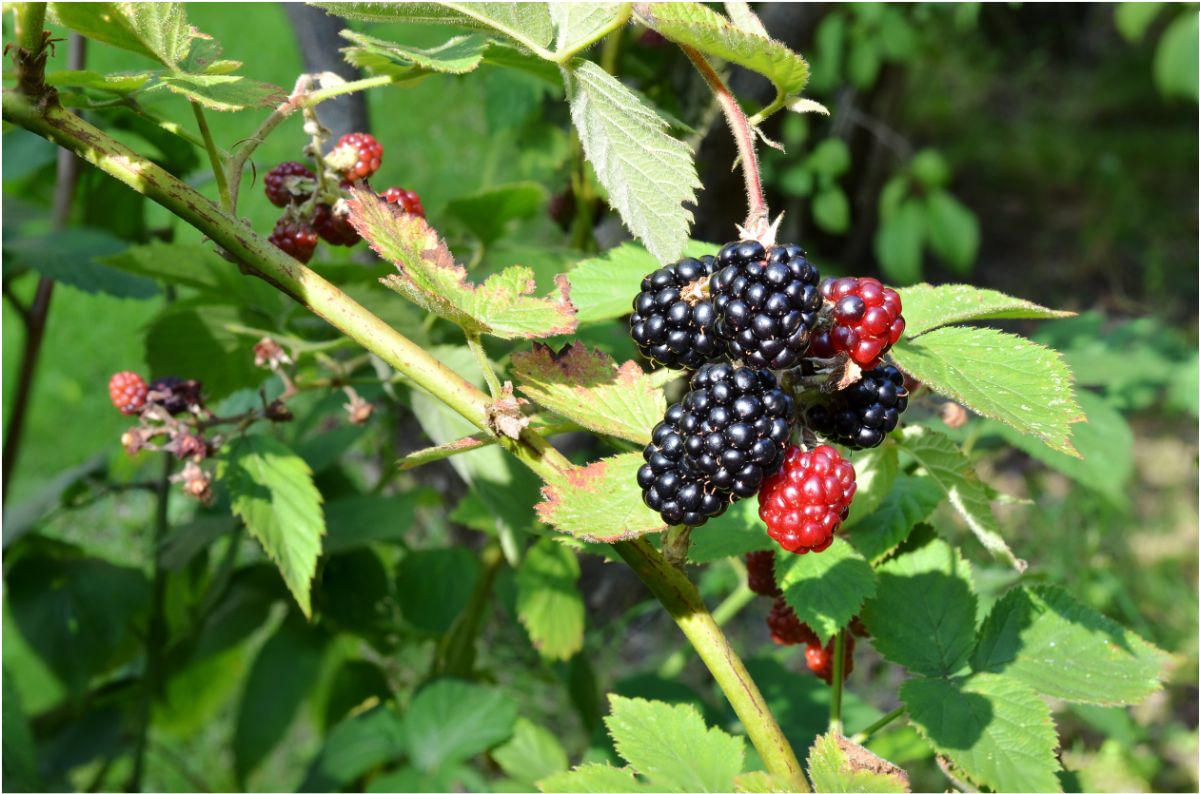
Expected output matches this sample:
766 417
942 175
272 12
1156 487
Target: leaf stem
835 701
214 156
489 374
882 722
743 136
474 441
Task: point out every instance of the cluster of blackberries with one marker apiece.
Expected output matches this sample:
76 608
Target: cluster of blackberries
765 308
314 213
130 394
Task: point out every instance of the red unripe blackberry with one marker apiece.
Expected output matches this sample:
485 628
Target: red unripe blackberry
804 503
672 322
867 321
295 238
127 391
408 200
786 628
760 573
288 183
334 226
357 155
820 658
860 415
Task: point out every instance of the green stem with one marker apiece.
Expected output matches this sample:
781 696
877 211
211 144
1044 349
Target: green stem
456 652
675 544
678 595
835 702
214 157
474 441
882 722
31 19
489 374
734 603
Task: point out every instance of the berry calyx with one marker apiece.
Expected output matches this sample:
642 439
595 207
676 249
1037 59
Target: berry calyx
767 303
288 183
819 658
867 320
786 628
805 502
408 200
760 573
736 422
333 225
861 415
128 392
673 486
357 155
672 321
295 238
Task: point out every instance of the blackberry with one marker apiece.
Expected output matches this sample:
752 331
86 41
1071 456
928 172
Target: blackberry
860 416
334 226
786 628
819 658
408 200
760 573
670 484
767 303
127 391
288 183
736 423
805 502
867 320
175 395
357 155
295 238
672 320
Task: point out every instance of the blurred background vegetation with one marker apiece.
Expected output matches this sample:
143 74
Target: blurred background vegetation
1046 150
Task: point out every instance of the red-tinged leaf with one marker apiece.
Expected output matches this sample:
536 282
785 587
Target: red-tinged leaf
600 502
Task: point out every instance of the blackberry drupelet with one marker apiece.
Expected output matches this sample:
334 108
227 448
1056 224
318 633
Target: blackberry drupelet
672 322
671 485
767 302
735 425
860 416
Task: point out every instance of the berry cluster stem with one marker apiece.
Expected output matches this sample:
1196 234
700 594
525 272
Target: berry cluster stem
835 700
743 135
882 722
672 588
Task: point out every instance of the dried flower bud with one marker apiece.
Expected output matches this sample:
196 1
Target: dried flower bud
954 415
269 355
186 445
197 483
359 410
133 439
277 411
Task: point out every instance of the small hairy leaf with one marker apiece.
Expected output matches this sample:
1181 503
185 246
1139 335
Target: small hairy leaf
909 501
923 613
525 23
115 83
994 728
591 390
837 764
1000 376
827 589
927 307
1063 649
271 489
459 55
648 174
672 747
156 30
580 23
223 91
549 604
600 502
502 306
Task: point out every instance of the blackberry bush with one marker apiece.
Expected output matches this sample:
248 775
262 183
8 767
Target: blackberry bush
673 320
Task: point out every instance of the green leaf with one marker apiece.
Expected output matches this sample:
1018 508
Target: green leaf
20 770
874 472
733 533
830 157
429 277
947 466
225 92
930 169
72 256
825 589
1132 19
672 747
549 604
923 613
1000 376
450 721
580 24
831 210
648 175
591 390
910 501
600 502
696 26
435 586
271 489
863 63
1177 58
953 231
598 778
994 728
354 521
797 180
899 241
532 754
355 747
1063 649
355 685
196 267
760 782
278 683
526 23
156 30
927 307
837 764
488 212
604 288
458 55
120 83
198 343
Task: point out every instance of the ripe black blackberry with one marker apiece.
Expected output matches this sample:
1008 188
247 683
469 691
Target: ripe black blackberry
766 300
670 484
861 415
175 395
736 422
672 320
